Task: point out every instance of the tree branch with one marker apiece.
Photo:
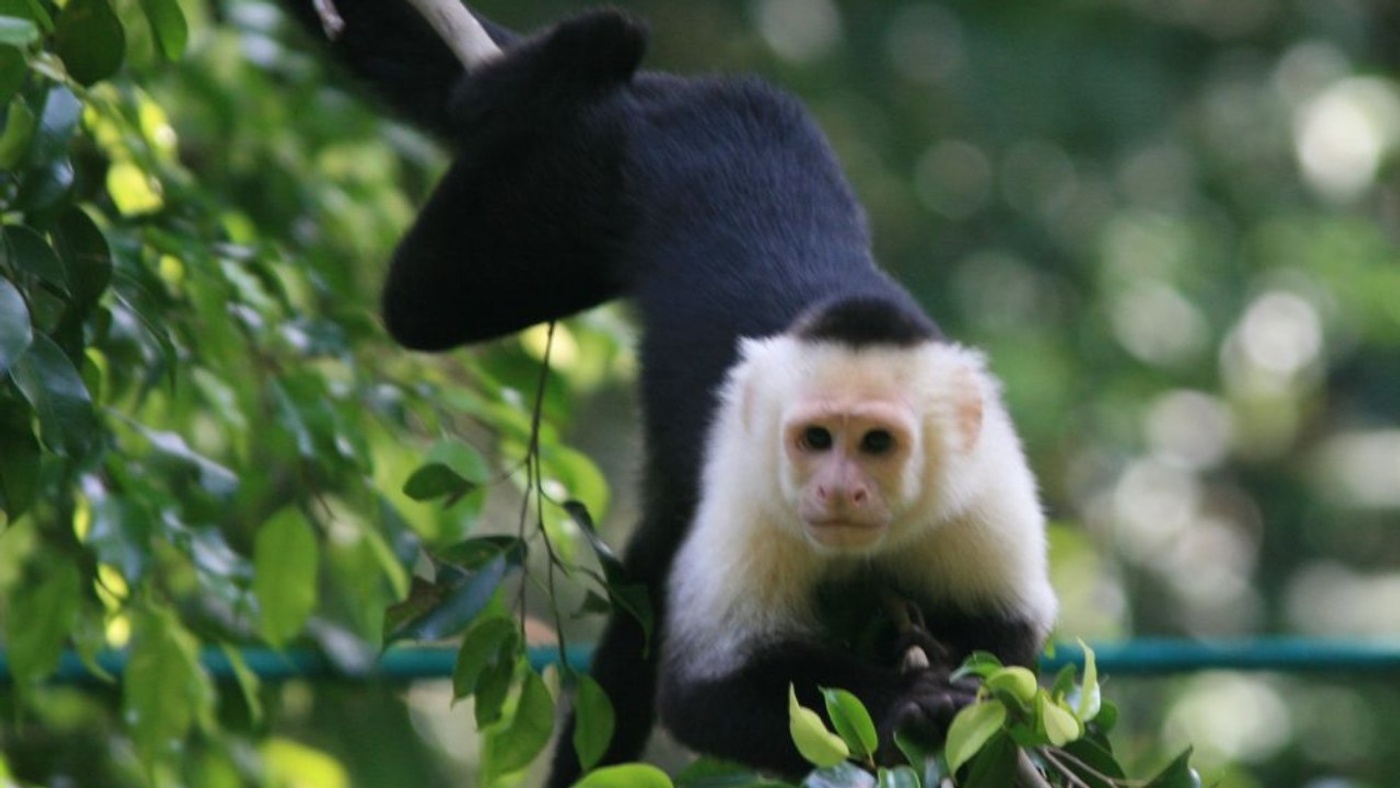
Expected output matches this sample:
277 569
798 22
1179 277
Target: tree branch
461 31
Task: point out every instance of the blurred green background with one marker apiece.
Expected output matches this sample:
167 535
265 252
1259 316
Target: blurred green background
1173 225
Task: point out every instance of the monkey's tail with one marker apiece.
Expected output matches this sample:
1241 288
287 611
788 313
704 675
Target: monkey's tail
389 47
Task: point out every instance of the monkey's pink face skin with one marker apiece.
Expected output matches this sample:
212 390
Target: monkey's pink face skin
847 462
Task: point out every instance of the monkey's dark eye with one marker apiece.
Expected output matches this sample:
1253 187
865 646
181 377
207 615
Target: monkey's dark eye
816 439
877 442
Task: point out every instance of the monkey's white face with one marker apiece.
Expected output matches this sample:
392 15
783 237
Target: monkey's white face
847 467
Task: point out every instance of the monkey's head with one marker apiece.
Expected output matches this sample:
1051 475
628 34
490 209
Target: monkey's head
866 445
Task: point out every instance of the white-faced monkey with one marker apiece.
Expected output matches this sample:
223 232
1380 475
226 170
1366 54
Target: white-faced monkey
814 446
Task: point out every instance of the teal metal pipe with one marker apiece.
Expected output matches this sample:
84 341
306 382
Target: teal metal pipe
1138 657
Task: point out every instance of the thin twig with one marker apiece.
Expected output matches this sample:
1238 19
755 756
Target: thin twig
331 21
461 31
534 481
1027 775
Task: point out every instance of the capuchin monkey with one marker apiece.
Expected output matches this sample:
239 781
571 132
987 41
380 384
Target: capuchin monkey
834 494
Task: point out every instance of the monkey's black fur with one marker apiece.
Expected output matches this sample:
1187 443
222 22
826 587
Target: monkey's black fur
714 203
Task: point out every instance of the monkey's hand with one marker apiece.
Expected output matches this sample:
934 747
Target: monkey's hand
923 709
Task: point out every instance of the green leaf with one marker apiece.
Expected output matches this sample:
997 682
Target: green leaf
42 611
842 775
492 687
20 123
623 593
898 777
27 251
1061 726
90 39
994 766
19 462
67 423
45 186
285 560
1013 682
452 470
460 597
973 727
165 691
978 663
490 642
1177 774
16 32
852 721
815 743
247 680
16 334
707 772
922 755
513 748
1093 762
627 775
593 730
1090 697
58 122
475 553
87 261
13 70
168 26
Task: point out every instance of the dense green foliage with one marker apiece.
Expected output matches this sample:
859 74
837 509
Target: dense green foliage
1172 225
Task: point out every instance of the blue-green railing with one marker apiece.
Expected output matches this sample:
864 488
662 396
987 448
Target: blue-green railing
1132 657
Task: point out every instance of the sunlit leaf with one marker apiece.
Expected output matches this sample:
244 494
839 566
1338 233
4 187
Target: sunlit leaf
285 561
627 775
973 727
1059 723
978 663
133 190
1013 682
816 744
292 763
593 729
852 721
90 39
1090 698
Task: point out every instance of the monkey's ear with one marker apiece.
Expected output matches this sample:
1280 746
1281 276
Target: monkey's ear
750 377
969 401
959 389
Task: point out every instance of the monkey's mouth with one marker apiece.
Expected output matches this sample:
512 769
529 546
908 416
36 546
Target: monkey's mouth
845 533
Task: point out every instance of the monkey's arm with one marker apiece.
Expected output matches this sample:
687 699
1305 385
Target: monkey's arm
742 714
